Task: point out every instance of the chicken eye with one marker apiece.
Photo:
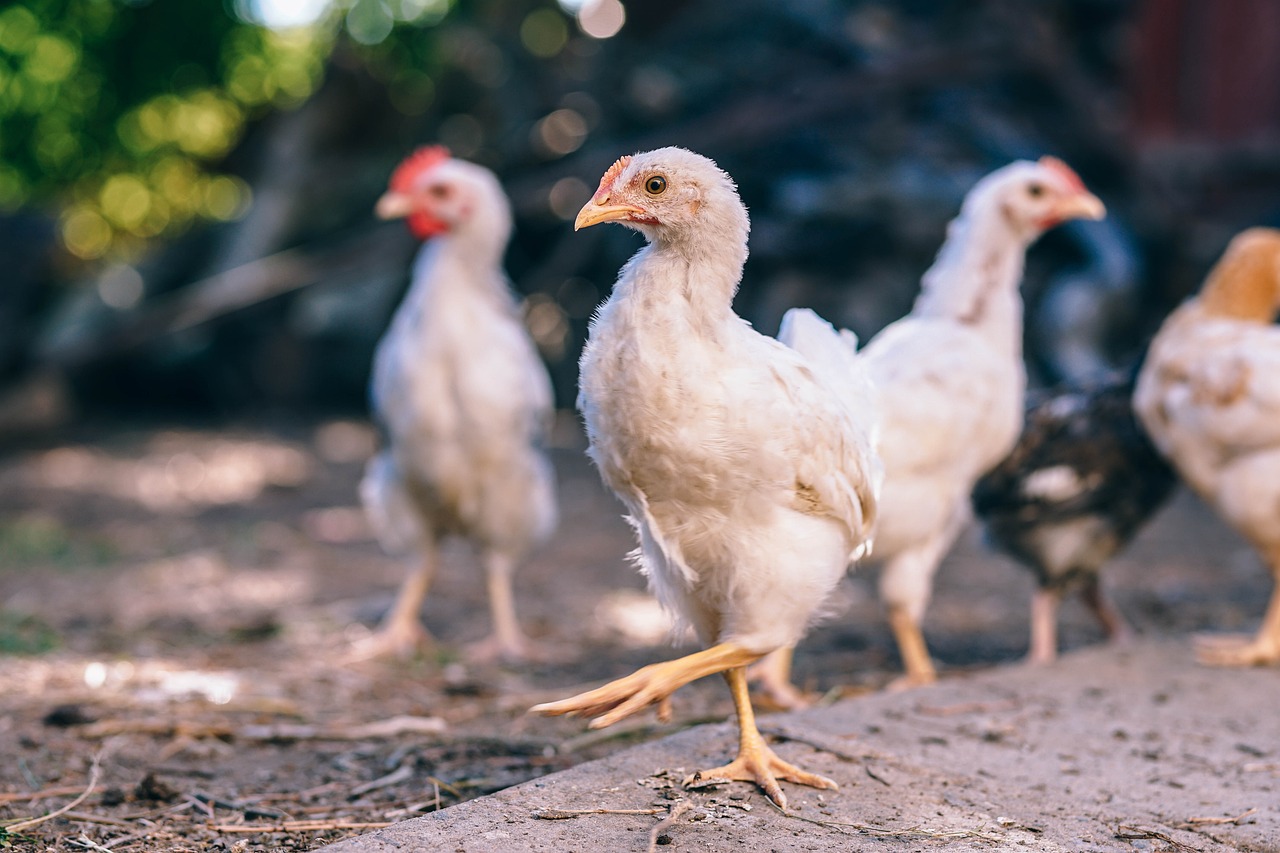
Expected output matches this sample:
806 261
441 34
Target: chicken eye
656 185
439 191
1035 190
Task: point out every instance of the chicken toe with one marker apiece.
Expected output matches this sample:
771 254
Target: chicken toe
755 761
647 686
1237 650
772 676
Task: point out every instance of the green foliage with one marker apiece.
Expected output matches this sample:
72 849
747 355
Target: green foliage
24 634
118 112
39 540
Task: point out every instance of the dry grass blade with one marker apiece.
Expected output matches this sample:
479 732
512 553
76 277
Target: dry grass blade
569 814
1219 821
402 773
1138 833
94 771
38 795
166 727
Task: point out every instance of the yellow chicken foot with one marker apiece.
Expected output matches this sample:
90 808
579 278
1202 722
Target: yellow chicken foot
1044 626
401 633
773 677
912 648
507 642
1260 650
650 685
756 762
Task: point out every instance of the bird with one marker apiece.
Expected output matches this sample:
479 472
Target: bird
748 472
951 384
1080 483
1209 396
463 401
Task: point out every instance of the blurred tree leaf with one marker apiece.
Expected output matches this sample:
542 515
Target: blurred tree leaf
117 112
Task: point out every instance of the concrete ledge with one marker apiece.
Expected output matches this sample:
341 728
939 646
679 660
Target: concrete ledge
1107 750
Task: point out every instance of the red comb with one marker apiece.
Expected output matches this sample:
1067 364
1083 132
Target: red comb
611 175
1063 171
417 164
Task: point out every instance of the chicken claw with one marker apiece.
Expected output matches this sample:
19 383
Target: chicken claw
647 686
1241 650
618 699
761 765
772 675
756 762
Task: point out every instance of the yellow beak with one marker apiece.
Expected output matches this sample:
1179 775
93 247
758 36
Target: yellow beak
393 205
594 214
1080 206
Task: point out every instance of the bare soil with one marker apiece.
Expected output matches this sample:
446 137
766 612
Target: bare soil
177 606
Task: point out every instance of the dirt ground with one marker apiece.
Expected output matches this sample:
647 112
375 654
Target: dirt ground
176 605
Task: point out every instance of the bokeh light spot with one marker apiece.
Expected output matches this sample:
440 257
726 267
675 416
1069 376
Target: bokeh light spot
567 196
226 198
85 233
121 287
544 33
369 21
602 19
561 132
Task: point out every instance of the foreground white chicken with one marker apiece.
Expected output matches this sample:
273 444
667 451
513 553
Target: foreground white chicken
1209 396
750 479
463 400
951 383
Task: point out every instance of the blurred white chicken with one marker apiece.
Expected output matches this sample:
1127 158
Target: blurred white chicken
463 401
1209 396
747 468
951 382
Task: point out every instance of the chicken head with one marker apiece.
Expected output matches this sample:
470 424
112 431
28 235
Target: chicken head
1034 197
437 194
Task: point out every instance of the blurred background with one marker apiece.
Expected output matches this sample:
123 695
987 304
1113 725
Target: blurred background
192 284
186 187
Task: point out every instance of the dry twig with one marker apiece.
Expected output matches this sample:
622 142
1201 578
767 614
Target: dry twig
1138 833
401 774
677 809
1218 821
94 771
38 795
391 727
569 814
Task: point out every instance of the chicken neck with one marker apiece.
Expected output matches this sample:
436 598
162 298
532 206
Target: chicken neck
976 276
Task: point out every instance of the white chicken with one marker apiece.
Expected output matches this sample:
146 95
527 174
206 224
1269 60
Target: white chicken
748 473
463 400
1209 396
951 382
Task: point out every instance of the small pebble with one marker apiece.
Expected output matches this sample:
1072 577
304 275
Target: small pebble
737 796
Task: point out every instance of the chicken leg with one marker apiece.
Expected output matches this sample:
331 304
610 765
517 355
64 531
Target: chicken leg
1044 626
1261 650
401 633
915 654
1113 624
507 641
755 762
773 676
